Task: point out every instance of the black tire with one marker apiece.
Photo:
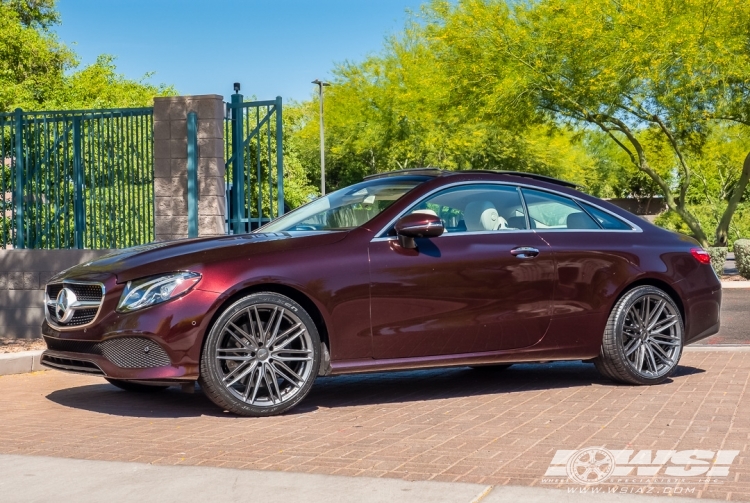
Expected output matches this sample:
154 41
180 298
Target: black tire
239 366
629 344
135 387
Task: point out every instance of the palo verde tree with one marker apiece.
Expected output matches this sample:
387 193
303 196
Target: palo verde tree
400 109
653 76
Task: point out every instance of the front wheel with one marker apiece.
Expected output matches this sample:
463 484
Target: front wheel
261 356
643 339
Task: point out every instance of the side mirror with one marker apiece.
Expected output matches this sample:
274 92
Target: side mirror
417 225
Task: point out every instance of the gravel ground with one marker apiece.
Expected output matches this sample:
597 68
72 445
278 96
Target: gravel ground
17 345
732 277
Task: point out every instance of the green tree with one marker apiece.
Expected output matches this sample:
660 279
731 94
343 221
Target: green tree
32 60
38 72
400 109
652 76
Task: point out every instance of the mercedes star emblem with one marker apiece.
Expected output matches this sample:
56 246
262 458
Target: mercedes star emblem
63 305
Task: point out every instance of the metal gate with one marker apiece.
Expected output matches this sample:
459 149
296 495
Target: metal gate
76 178
255 163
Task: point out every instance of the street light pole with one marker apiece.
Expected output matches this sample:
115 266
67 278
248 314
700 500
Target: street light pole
321 85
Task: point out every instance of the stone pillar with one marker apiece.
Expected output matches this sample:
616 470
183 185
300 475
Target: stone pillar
170 165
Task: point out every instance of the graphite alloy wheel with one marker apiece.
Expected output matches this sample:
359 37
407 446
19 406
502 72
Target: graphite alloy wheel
643 339
135 386
261 356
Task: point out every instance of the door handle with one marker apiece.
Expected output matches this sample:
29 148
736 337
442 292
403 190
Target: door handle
524 252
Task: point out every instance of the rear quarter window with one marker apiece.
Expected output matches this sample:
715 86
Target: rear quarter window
606 220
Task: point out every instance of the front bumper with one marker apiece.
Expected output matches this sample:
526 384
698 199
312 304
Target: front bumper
160 343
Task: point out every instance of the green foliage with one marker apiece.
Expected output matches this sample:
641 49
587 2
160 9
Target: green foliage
718 258
298 188
32 61
35 13
38 72
707 216
742 257
100 86
626 99
398 110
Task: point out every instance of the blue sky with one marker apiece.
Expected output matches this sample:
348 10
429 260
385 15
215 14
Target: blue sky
273 47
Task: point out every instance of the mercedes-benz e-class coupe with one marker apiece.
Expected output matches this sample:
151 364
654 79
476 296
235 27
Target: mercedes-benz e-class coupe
405 270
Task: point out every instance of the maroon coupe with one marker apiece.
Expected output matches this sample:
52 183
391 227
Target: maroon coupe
411 269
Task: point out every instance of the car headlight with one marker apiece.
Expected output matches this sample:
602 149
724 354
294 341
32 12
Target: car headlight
155 290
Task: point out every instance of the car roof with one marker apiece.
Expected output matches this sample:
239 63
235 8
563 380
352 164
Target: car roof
437 172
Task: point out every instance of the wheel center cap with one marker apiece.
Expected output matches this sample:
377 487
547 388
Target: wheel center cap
262 354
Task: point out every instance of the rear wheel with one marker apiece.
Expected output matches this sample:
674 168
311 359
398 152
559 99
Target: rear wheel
643 339
135 386
261 356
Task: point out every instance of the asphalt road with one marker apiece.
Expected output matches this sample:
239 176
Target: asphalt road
735 318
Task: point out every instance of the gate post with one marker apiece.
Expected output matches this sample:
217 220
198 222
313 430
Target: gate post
238 166
171 166
79 217
18 194
279 159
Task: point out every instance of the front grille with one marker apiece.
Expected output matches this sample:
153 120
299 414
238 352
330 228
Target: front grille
71 364
90 294
125 352
53 290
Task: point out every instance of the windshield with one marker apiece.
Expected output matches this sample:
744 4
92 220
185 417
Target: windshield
347 208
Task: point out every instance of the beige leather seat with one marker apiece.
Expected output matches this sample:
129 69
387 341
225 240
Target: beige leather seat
482 216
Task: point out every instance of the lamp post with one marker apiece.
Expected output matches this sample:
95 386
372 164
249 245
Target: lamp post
321 85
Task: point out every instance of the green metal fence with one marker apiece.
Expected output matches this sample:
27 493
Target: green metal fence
255 163
76 179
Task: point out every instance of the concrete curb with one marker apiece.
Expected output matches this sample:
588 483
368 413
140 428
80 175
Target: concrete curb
735 284
20 363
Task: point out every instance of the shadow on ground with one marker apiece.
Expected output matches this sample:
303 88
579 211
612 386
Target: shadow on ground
352 390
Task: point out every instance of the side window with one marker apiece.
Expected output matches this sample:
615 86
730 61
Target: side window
477 208
550 211
606 220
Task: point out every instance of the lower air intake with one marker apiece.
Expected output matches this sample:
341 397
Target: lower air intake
125 352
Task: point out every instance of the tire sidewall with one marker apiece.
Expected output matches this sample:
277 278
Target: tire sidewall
209 372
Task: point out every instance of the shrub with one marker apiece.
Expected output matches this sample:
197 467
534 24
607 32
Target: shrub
742 257
718 258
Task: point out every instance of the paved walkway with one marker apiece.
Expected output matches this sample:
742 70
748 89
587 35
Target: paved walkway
33 478
454 425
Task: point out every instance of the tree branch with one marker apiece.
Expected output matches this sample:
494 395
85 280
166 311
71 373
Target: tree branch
686 180
722 230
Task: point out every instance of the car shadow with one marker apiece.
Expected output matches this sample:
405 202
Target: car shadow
353 390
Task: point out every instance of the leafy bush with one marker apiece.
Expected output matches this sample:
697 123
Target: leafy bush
742 257
718 258
708 216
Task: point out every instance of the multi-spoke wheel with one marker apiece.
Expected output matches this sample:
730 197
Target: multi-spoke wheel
643 339
261 356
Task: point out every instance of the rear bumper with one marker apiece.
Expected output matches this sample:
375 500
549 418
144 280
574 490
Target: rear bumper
703 314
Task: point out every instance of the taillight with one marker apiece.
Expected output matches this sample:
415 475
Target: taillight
701 255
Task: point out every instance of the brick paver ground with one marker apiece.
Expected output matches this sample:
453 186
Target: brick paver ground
450 425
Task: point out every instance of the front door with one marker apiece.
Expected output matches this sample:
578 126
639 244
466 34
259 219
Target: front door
470 290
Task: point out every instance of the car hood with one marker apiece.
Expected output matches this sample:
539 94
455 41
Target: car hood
167 256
